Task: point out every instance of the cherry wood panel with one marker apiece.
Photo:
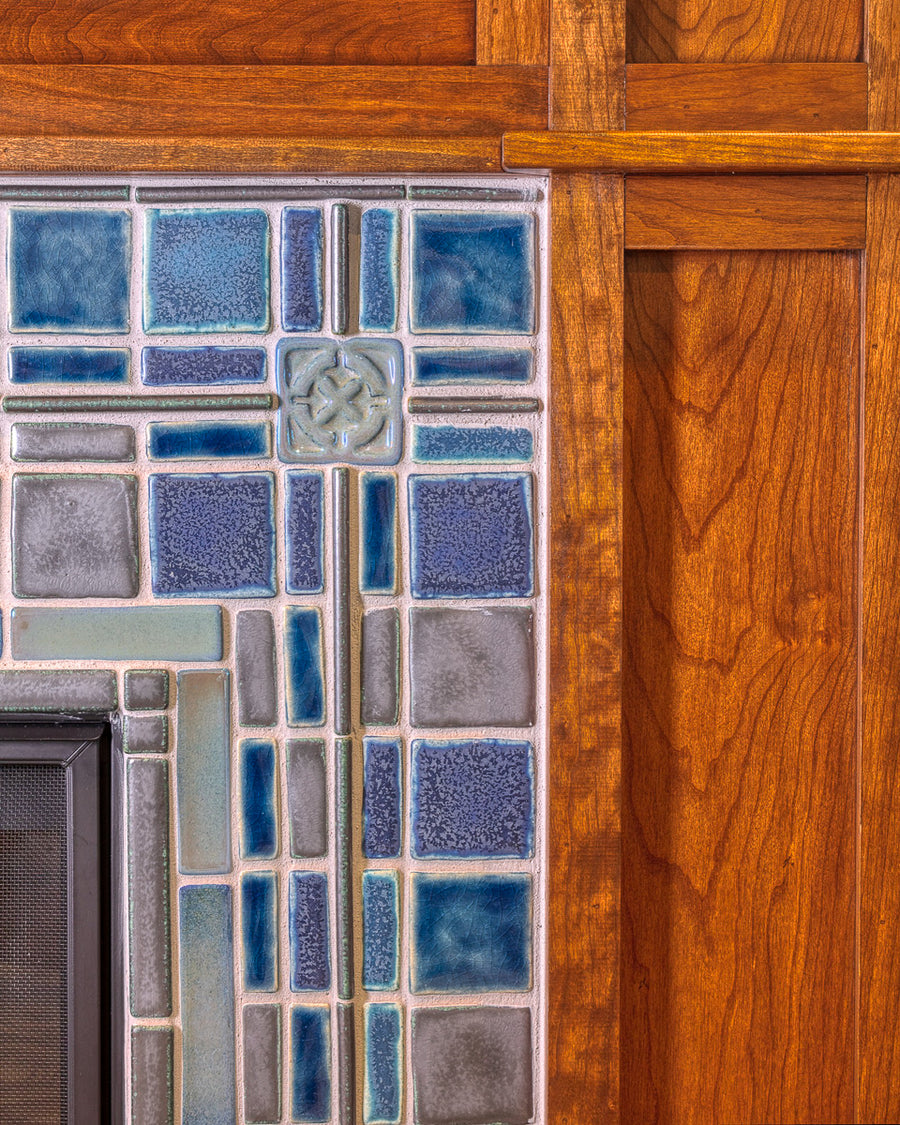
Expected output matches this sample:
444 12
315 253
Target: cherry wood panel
739 676
745 30
802 97
269 100
587 59
745 212
513 31
238 31
585 648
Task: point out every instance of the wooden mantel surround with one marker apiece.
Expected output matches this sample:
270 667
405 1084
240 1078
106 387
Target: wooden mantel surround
724 937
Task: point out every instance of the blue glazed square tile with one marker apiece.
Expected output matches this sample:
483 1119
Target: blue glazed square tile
69 365
310 1065
303 532
259 822
470 933
69 271
202 367
206 271
471 536
308 906
304 678
379 282
461 444
259 930
302 238
448 366
384 1065
202 441
378 533
381 799
472 798
472 271
212 535
381 910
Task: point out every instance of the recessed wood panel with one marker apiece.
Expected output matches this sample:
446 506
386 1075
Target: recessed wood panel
739 674
238 31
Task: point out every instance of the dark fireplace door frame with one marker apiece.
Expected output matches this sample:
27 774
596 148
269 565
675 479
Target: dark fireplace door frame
90 752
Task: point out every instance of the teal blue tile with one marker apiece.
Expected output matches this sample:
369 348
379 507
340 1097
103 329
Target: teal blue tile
304 529
450 366
259 931
208 1088
382 786
302 239
69 365
447 444
201 441
381 927
202 367
203 773
258 813
191 632
378 533
383 1097
379 274
304 680
310 1064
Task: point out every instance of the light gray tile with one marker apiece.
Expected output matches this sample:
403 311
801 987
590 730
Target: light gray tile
306 797
152 1076
147 690
380 666
146 734
262 1063
255 648
71 441
472 667
58 691
203 773
148 888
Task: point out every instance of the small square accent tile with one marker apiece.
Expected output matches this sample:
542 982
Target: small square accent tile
147 690
146 734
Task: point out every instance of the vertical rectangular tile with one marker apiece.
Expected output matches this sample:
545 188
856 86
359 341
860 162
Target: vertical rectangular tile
343 773
306 797
381 930
304 682
380 673
303 532
381 798
262 1064
148 888
346 1037
207 1005
259 930
310 1064
383 1099
340 268
308 906
378 533
255 660
203 773
152 1076
378 270
341 551
302 238
258 810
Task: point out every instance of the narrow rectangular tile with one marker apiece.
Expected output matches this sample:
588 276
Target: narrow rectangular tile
262 1063
190 632
255 661
287 192
71 441
259 931
340 268
343 786
63 193
346 1036
202 367
58 691
419 405
340 483
304 682
146 689
383 1099
203 773
149 949
202 441
152 1076
306 797
302 241
303 531
69 365
145 734
381 927
308 924
207 1005
258 812
462 444
471 194
381 799
449 366
378 533
310 1065
124 404
380 671
379 283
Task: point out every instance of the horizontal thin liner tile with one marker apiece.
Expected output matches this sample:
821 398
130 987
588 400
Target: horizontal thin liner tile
119 404
473 194
58 691
420 405
61 193
239 192
71 441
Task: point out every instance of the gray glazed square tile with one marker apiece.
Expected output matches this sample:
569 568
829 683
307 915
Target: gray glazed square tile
147 690
146 734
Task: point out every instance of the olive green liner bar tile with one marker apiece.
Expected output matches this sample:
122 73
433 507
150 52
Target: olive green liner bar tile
63 193
472 194
287 192
346 1033
203 776
342 638
58 691
420 405
343 773
340 269
189 632
121 404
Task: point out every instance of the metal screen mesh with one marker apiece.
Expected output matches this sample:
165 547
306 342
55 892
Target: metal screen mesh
33 945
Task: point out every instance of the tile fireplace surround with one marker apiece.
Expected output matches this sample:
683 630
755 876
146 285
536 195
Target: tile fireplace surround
275 499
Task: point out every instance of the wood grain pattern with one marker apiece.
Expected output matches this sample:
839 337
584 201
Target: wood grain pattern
739 573
703 152
512 32
803 97
587 60
585 649
318 32
269 100
745 212
744 30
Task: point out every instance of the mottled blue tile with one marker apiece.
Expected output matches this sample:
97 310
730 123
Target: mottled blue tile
310 1065
472 271
151 632
259 931
448 366
379 282
69 365
381 799
308 923
378 533
202 367
471 536
471 443
472 798
206 271
304 681
381 909
69 271
470 933
258 814
383 1097
203 773
201 441
212 535
303 532
207 1006
302 238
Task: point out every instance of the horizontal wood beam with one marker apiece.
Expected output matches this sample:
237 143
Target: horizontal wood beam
678 153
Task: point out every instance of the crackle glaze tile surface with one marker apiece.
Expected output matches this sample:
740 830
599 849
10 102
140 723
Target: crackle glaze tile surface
274 498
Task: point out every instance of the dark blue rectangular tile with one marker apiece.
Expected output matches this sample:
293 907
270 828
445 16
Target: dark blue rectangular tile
384 1065
471 443
69 365
381 799
302 239
381 904
259 930
202 367
379 270
378 533
201 441
304 683
303 532
308 906
203 773
448 366
259 824
310 1065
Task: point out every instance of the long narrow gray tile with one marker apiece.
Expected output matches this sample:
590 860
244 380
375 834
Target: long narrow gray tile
255 656
380 666
341 546
58 691
121 404
63 193
340 268
71 441
203 773
149 947
421 405
343 772
288 192
346 1031
152 1076
306 797
472 194
262 1063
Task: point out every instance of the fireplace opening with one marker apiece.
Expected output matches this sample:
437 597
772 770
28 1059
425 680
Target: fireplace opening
60 923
